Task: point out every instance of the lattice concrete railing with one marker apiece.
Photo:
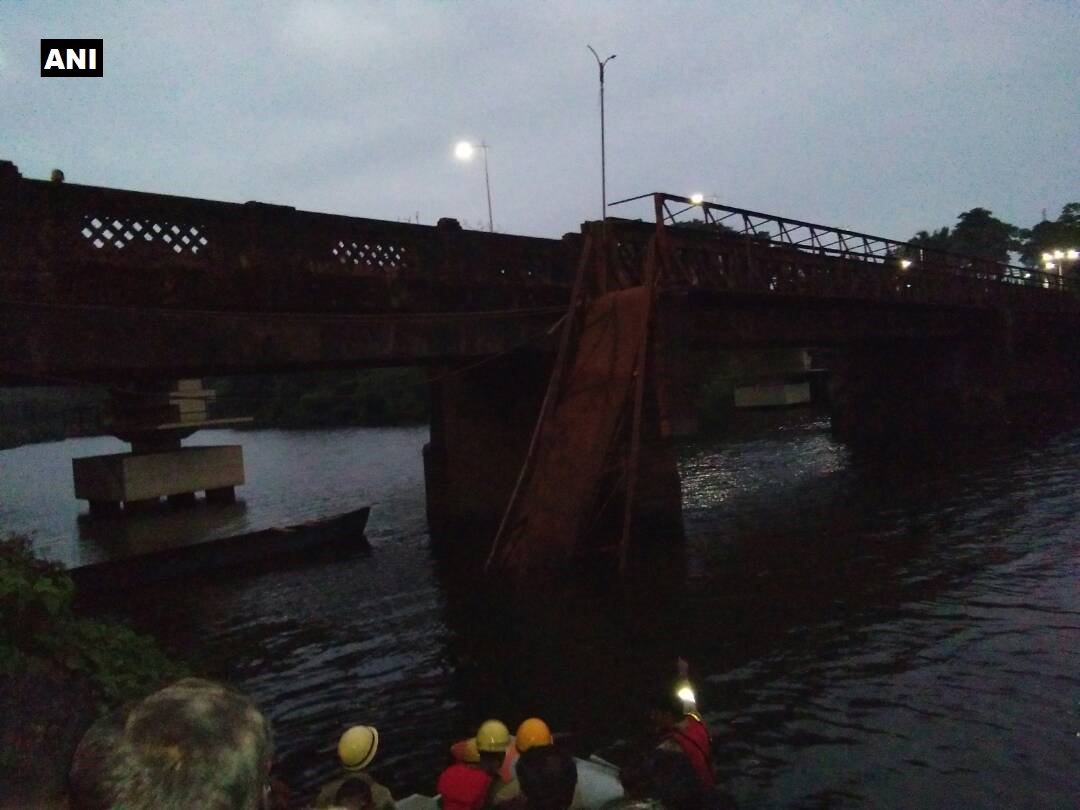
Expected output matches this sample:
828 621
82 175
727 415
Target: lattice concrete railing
240 254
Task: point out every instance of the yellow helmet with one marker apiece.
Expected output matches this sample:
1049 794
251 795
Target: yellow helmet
492 737
357 747
532 732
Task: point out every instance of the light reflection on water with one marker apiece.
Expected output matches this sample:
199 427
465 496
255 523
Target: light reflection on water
868 631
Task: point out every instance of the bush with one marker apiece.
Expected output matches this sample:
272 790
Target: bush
38 625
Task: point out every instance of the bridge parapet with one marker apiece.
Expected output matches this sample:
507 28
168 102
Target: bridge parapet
110 246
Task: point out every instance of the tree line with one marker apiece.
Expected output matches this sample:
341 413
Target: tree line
980 234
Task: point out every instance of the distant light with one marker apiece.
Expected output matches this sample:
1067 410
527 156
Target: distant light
686 695
697 199
905 264
1046 257
1050 265
464 150
1072 254
1059 254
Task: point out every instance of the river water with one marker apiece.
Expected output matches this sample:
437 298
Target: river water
866 630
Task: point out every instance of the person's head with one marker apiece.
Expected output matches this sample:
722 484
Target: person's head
492 740
547 777
531 733
665 710
192 744
357 747
354 794
672 779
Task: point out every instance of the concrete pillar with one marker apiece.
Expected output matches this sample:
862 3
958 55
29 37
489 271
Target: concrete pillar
894 392
678 369
658 508
482 419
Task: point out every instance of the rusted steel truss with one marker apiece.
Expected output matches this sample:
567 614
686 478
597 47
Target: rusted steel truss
719 247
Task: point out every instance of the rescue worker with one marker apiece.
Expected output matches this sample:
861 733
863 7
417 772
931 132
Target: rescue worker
194 743
680 728
354 794
356 750
468 786
532 733
548 779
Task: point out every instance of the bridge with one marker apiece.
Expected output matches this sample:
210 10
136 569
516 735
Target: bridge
110 286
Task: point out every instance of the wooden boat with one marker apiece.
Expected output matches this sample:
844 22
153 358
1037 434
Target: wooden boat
249 552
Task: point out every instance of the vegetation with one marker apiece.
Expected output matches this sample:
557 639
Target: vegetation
37 414
374 397
39 628
979 233
1050 235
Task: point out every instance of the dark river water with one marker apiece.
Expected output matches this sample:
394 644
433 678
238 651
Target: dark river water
866 631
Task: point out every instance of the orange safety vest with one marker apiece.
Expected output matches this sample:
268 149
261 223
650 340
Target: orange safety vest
695 743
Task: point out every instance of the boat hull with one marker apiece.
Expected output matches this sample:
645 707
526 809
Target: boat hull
249 552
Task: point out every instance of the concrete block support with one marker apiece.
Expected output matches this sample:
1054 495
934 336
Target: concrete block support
130 478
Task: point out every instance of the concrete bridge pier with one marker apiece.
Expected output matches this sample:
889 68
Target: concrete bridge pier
482 420
892 392
154 421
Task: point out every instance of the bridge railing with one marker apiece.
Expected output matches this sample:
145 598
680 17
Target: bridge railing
190 252
718 247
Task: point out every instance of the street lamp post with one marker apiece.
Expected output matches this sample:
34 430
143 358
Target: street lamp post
603 156
1055 260
464 151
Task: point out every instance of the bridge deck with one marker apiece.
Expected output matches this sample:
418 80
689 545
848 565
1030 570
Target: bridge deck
103 283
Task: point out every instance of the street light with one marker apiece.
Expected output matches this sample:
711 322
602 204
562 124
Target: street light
464 151
603 156
1055 259
697 199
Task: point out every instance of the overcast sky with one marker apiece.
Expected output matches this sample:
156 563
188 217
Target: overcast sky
883 117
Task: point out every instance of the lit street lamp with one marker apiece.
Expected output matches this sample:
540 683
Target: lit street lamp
464 151
1055 260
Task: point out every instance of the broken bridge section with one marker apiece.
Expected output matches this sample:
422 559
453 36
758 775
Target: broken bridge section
601 461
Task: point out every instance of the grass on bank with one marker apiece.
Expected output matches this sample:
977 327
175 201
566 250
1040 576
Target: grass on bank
40 629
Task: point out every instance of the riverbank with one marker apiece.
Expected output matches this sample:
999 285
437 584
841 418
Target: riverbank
58 671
